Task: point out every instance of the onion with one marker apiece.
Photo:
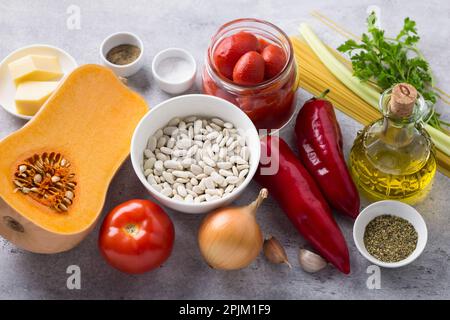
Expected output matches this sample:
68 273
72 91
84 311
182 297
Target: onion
230 238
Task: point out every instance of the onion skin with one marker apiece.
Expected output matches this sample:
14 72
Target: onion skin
230 238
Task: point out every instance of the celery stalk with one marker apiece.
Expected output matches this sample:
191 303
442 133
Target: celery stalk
366 92
440 139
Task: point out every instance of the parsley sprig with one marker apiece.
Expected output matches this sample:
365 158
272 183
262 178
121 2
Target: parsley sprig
386 61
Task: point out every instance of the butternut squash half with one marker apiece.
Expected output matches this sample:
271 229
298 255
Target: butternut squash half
69 151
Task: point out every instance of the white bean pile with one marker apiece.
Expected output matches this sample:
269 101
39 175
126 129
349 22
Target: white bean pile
196 159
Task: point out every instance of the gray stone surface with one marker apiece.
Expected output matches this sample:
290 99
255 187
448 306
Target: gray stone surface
189 24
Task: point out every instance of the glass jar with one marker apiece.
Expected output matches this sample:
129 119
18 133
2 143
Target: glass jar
270 104
393 158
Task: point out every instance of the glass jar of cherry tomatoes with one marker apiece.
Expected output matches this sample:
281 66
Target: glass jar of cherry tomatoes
251 63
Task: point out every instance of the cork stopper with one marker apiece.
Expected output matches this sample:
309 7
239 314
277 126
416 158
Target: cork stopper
403 99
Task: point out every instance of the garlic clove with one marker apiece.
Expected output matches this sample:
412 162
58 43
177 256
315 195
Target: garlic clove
274 251
311 262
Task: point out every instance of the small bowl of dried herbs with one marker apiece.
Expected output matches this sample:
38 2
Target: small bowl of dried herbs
390 234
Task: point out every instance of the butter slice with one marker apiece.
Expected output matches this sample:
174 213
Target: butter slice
35 68
31 95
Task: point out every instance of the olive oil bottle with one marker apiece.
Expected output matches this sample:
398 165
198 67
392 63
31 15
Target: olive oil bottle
393 158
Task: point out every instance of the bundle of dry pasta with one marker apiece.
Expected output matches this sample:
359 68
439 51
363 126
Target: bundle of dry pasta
315 78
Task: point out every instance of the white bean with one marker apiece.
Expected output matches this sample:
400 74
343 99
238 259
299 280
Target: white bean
169 130
198 189
200 199
213 135
242 167
178 197
157 187
158 134
174 122
166 150
243 173
162 142
149 163
151 179
182 190
186 163
167 192
148 153
229 188
173 164
190 119
224 165
169 177
159 166
208 170
232 179
161 156
184 143
225 173
152 142
228 125
171 143
212 192
196 169
209 183
217 178
181 174
210 162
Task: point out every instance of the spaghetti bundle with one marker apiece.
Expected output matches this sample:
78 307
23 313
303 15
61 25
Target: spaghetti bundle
315 78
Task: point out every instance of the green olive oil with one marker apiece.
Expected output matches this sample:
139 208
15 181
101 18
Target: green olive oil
393 158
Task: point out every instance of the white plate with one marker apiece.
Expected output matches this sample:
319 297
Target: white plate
8 88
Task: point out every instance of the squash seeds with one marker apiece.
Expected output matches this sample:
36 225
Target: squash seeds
47 178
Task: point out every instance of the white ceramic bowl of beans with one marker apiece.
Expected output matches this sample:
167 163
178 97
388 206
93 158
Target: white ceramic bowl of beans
202 106
395 208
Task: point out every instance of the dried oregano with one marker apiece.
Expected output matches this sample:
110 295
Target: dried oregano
390 238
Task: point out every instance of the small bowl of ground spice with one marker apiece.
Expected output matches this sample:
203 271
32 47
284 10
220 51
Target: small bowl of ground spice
390 234
122 52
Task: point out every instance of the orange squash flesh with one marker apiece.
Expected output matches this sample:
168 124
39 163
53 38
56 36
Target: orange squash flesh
90 120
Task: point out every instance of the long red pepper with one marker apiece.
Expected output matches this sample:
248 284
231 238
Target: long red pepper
319 142
300 198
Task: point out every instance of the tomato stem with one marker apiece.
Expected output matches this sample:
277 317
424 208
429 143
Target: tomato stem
131 229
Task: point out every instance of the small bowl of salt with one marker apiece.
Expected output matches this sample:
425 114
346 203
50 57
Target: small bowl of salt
174 70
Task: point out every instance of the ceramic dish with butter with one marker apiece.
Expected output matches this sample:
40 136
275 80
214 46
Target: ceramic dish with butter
9 88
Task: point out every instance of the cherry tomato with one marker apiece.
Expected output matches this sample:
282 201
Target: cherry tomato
262 44
249 70
275 59
231 49
136 236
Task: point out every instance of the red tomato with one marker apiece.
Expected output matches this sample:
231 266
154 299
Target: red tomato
249 70
136 236
262 44
231 49
275 59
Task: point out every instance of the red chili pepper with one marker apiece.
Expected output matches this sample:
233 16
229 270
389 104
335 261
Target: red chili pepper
319 142
300 198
